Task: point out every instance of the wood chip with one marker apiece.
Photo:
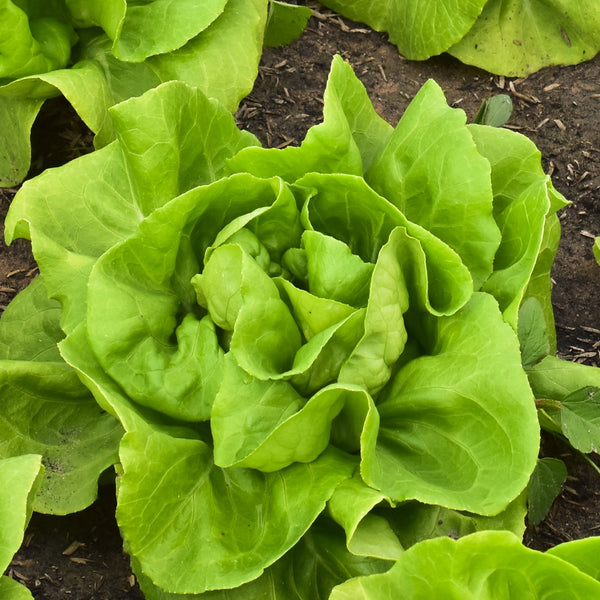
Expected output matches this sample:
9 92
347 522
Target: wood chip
587 234
560 124
551 87
72 548
80 561
382 72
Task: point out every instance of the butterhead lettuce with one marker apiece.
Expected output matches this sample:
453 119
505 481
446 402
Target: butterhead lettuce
310 350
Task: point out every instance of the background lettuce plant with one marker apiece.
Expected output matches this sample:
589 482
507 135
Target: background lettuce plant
98 53
312 352
19 480
486 565
515 37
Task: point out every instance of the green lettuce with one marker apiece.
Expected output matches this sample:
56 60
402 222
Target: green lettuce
215 46
311 351
486 565
19 479
513 38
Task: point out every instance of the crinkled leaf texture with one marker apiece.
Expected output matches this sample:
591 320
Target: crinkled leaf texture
221 59
19 480
275 327
490 565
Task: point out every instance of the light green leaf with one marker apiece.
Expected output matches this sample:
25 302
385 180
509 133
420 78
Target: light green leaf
19 479
112 189
491 565
522 205
139 30
222 62
470 374
46 410
367 534
32 43
432 171
581 553
225 525
165 361
420 28
267 425
348 141
519 37
13 590
334 272
309 571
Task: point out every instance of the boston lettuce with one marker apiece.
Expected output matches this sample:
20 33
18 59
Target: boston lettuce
124 49
312 351
506 37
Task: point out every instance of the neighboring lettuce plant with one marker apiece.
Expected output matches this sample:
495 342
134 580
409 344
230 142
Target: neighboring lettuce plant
312 351
514 37
19 480
124 49
490 565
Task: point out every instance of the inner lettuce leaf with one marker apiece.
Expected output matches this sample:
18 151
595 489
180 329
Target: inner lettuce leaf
33 38
266 338
221 60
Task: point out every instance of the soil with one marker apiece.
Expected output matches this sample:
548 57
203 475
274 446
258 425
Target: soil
80 556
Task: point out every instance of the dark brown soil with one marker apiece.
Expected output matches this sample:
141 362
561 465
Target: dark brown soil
558 108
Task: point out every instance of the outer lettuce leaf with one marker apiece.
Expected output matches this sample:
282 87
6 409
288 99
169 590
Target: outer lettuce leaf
309 571
139 30
523 204
486 565
580 553
19 478
350 138
222 61
470 374
46 410
420 28
519 37
225 525
113 188
432 171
